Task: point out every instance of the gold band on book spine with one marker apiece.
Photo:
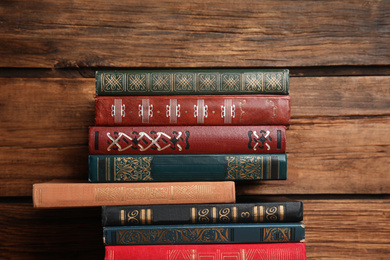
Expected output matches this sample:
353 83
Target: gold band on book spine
193 215
142 218
122 217
281 212
234 214
214 214
255 214
261 210
149 215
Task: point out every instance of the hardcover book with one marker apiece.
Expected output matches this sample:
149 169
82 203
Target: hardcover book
290 211
192 82
59 194
193 110
187 140
212 167
204 234
257 251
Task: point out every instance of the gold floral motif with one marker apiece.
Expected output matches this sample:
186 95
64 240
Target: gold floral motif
277 235
244 168
133 168
171 235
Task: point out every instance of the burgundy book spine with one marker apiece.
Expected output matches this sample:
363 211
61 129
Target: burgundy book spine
274 251
187 140
193 110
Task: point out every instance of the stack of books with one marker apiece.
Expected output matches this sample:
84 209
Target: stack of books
165 152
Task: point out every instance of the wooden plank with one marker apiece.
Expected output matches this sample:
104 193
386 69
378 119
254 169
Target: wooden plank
197 33
335 229
337 143
50 234
347 229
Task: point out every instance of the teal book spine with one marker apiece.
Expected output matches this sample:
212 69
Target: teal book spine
205 234
192 82
213 167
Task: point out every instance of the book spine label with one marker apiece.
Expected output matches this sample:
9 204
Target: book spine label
204 234
213 167
187 140
192 82
58 195
270 251
202 214
193 110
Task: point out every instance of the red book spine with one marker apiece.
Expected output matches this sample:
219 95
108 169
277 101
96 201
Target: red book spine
193 110
274 251
187 140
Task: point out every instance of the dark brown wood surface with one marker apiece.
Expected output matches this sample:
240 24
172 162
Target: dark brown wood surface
197 33
338 145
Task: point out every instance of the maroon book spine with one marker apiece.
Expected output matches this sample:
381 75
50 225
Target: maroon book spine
187 140
193 110
270 251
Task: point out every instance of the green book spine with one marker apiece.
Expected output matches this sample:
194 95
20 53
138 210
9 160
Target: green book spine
192 82
205 234
214 167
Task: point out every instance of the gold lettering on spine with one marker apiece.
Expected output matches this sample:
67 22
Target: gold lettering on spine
214 215
261 209
193 215
122 217
281 212
234 213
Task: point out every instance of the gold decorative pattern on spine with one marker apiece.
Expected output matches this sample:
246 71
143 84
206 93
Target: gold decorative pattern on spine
277 235
244 167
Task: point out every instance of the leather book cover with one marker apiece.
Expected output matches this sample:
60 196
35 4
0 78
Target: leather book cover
255 251
187 140
66 193
192 82
290 211
194 167
193 110
205 234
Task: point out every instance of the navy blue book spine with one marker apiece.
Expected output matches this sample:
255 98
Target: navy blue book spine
261 212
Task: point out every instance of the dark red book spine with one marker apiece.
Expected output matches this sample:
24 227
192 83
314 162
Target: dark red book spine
187 140
279 251
193 110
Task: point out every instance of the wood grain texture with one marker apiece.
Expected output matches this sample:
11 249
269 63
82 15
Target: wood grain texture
196 33
347 228
335 229
337 142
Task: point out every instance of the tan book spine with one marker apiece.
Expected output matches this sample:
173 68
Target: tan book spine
81 194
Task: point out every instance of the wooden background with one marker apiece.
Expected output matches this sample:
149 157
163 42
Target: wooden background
338 53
